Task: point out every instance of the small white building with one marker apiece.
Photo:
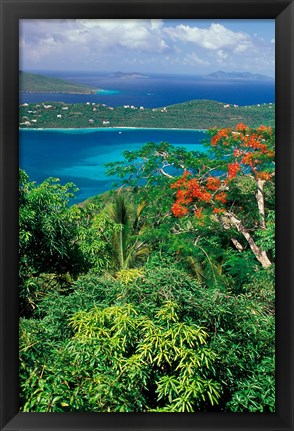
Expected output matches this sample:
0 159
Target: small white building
58 115
105 123
91 121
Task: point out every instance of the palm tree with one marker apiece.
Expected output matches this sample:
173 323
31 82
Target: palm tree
128 248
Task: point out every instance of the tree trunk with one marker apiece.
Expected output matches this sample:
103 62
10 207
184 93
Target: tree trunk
260 202
236 243
260 254
226 225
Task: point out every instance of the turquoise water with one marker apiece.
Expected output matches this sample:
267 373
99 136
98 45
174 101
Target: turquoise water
107 92
79 155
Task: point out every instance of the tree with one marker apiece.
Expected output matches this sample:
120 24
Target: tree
127 246
47 234
240 158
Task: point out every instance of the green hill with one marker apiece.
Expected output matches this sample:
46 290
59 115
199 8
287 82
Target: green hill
35 83
196 114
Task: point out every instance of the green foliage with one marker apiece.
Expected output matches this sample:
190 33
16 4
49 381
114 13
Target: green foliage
257 393
47 235
241 332
266 237
139 311
119 360
196 114
127 248
32 82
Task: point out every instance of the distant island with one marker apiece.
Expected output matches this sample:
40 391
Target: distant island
195 114
248 76
132 75
36 83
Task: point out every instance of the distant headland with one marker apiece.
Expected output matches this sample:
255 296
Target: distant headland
37 83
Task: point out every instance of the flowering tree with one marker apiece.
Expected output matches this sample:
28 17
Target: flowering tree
214 193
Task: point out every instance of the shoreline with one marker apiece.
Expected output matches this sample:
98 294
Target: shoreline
109 128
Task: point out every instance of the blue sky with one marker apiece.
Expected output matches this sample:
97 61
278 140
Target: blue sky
191 47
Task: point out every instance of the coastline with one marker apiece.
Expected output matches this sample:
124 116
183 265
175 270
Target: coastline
109 128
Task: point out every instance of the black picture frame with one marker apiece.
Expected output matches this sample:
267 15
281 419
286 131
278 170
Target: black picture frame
11 12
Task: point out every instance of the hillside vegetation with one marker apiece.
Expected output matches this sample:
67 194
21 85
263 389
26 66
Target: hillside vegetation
195 114
158 296
35 83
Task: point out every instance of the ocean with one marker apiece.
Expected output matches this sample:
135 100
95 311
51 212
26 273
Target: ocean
79 155
158 90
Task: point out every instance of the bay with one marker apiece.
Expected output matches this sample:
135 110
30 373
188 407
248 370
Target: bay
79 155
157 90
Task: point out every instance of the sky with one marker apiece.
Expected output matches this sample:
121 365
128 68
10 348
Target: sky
192 47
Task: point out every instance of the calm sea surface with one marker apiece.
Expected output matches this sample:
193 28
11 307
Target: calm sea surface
159 90
79 155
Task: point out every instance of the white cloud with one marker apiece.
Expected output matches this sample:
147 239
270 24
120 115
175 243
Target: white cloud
215 37
222 55
96 35
134 34
113 44
243 46
194 59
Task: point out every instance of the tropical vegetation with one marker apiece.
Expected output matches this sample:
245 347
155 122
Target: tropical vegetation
195 114
36 83
159 295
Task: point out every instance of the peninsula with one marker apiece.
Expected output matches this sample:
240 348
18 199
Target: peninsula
195 114
35 83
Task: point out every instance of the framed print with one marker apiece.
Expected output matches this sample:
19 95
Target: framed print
146 215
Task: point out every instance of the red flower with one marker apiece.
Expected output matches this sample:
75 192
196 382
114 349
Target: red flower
178 210
181 181
265 129
198 212
213 183
241 126
263 176
247 159
221 197
205 197
217 210
237 152
233 169
222 133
